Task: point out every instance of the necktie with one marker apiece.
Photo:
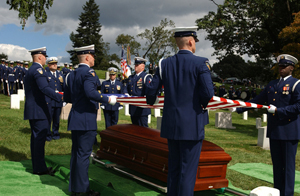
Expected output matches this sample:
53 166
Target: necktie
280 81
54 73
112 83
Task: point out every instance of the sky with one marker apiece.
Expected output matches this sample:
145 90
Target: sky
116 17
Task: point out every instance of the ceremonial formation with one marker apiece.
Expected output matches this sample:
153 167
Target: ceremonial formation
181 85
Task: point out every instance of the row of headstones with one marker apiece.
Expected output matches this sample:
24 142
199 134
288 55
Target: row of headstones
223 120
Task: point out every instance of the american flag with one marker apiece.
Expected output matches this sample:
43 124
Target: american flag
214 103
124 66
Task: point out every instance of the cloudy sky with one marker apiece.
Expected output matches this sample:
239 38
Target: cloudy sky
116 17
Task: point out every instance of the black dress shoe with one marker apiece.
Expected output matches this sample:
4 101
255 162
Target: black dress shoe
49 171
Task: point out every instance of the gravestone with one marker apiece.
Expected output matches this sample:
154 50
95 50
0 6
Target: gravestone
264 191
265 116
158 123
223 120
258 123
106 75
156 113
21 94
64 115
245 115
14 101
262 140
126 109
149 118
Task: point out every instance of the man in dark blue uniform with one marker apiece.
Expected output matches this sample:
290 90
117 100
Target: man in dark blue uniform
215 89
38 109
65 69
81 91
111 86
56 82
11 77
2 65
135 86
21 75
5 78
188 89
283 97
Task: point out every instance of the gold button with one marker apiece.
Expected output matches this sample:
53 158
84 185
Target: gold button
101 96
273 114
289 119
47 103
131 90
275 92
273 99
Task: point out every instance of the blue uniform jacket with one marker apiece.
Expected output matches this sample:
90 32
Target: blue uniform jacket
4 72
56 83
38 94
65 71
188 88
135 86
81 90
107 88
11 74
285 124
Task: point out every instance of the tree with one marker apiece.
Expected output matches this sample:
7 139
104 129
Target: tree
159 41
88 33
26 8
248 26
124 40
3 56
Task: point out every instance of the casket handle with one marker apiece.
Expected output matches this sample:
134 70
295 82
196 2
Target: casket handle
163 169
142 160
116 151
108 149
133 157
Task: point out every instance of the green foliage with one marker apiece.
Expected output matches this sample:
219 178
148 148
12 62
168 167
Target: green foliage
125 40
28 7
248 27
88 33
3 56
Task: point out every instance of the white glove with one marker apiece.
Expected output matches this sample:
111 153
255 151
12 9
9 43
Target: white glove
17 80
56 91
64 104
6 81
103 107
1 80
232 109
127 94
271 109
14 81
113 100
21 82
120 108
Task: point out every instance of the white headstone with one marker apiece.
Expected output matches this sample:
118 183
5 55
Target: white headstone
149 118
258 123
64 115
106 75
265 116
223 120
126 109
99 113
264 191
262 139
158 123
156 113
14 101
245 115
21 94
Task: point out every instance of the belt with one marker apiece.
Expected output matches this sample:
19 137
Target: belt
11 74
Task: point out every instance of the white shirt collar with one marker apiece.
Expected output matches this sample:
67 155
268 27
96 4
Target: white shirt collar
284 79
84 64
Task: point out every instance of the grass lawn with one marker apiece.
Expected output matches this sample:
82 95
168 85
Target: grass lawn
239 143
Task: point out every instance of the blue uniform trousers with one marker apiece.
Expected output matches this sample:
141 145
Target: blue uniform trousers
140 120
111 117
11 87
55 118
283 153
37 144
182 166
82 146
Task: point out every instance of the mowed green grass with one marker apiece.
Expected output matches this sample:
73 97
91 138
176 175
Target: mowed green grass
239 143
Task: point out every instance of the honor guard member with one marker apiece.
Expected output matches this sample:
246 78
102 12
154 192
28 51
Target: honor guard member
21 75
56 82
71 67
253 93
111 86
283 97
37 110
215 89
11 77
25 69
16 72
188 88
5 78
136 87
2 65
65 69
81 91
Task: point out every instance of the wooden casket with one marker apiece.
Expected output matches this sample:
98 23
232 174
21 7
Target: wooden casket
143 150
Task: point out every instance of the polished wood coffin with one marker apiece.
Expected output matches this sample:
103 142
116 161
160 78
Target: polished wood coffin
143 150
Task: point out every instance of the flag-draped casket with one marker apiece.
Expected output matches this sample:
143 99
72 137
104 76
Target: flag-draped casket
143 150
